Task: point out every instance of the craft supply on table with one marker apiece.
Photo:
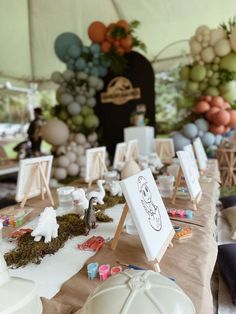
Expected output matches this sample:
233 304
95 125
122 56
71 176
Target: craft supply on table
14 216
18 233
184 233
131 266
182 213
92 270
104 271
94 244
115 270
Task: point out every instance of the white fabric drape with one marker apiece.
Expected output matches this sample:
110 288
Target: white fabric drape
29 28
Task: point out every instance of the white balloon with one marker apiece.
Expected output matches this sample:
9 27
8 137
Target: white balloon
71 156
92 137
73 169
81 99
55 132
82 76
91 102
60 173
91 92
80 150
57 77
73 144
61 150
100 84
74 108
93 81
81 160
68 75
66 99
80 138
63 161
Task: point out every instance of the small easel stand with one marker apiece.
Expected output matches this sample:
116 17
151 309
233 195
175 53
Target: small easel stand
37 172
181 181
165 152
98 166
133 153
119 229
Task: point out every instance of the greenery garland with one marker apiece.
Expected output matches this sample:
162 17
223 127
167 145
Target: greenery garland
70 225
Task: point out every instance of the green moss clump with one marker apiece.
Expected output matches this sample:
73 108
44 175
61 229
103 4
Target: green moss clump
70 225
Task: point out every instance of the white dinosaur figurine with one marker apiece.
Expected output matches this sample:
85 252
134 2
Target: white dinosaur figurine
115 188
98 194
47 226
80 201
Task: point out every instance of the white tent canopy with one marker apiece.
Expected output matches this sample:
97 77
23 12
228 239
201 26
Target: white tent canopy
29 28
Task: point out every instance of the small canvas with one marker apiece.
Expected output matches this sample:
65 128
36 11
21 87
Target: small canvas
164 148
189 174
29 178
189 148
120 154
200 154
149 213
95 163
132 150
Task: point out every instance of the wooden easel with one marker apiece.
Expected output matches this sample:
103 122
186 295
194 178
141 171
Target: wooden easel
37 171
133 153
97 162
178 182
164 151
155 263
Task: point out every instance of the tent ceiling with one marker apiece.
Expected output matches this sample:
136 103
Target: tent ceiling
29 27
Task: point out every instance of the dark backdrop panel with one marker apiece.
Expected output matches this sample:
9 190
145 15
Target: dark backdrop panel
115 117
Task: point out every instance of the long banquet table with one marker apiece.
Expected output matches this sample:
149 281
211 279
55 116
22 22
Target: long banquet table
190 262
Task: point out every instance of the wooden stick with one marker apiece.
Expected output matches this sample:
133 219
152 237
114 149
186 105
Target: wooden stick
29 185
120 227
46 184
177 183
156 266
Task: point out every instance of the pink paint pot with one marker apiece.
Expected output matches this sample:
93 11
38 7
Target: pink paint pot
180 213
115 270
104 271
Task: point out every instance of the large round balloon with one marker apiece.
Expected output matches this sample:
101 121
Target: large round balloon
208 139
202 125
180 141
55 132
190 130
63 42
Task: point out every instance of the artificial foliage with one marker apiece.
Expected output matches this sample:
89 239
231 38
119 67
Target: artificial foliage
70 225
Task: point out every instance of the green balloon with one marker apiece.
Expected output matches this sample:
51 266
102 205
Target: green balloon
184 72
63 115
198 73
212 91
77 120
192 86
91 121
86 110
229 62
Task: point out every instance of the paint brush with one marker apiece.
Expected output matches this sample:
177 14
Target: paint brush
131 266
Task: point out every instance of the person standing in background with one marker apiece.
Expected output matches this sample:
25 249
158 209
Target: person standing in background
34 131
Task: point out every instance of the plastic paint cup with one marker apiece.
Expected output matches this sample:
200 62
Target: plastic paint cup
189 213
104 271
92 270
115 270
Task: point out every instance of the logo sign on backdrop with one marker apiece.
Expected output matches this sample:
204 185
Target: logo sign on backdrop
120 91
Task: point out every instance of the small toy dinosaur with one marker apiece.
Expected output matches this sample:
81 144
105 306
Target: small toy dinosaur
90 218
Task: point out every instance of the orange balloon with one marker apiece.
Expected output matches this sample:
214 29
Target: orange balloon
210 113
117 43
201 107
232 122
206 98
215 129
226 105
120 51
97 32
127 42
106 46
222 117
124 24
217 101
